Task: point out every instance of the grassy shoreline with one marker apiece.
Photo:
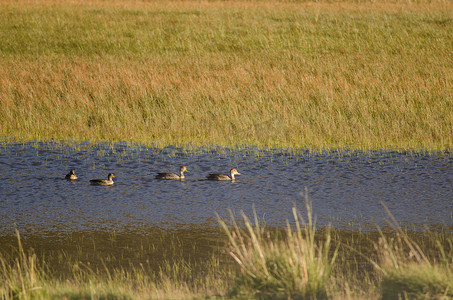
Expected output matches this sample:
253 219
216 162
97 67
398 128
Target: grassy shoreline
322 75
250 261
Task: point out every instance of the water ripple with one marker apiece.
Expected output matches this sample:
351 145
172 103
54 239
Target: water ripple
345 187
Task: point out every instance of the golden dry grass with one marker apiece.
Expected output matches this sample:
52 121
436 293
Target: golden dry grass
329 75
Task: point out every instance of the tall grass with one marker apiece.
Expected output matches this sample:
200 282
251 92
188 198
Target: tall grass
409 273
329 75
26 277
23 278
299 263
296 267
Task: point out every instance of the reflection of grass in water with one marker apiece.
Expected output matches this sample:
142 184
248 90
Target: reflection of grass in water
272 263
111 265
23 278
238 72
153 248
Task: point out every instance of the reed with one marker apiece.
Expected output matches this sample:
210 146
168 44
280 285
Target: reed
296 267
326 75
409 273
24 277
298 263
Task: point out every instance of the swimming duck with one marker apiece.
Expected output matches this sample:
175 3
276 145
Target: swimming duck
71 175
224 177
108 181
182 169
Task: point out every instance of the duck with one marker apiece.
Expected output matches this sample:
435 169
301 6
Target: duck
224 177
71 175
108 181
182 169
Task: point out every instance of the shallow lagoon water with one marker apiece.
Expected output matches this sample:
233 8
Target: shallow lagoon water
347 189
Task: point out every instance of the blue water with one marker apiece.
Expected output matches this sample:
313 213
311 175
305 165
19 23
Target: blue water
347 189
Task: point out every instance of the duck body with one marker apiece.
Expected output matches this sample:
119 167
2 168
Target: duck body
221 177
182 169
71 175
168 176
218 177
108 181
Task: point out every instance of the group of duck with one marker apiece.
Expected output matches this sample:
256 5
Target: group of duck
109 181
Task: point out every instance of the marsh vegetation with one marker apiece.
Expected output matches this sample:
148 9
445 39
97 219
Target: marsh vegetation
328 75
249 260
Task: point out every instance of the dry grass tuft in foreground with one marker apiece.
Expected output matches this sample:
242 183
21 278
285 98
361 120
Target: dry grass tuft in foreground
296 267
298 264
408 273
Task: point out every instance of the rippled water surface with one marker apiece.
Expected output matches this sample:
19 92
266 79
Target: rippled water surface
346 188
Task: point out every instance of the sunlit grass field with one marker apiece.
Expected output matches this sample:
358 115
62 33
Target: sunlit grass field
374 75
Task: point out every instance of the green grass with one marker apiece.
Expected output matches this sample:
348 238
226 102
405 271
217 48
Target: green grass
256 262
418 281
23 278
297 267
409 273
99 273
324 75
